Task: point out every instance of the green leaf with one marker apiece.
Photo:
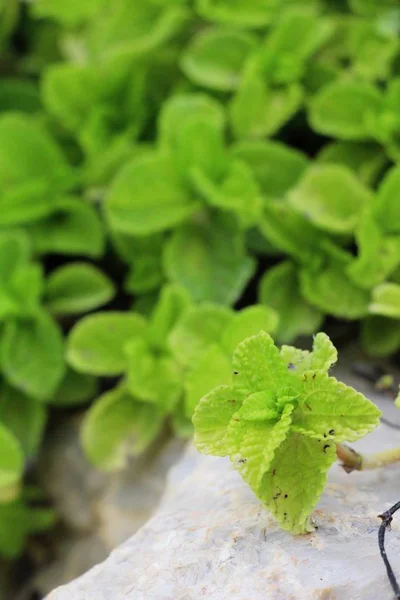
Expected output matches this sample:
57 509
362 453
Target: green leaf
279 288
253 444
24 417
328 288
290 232
258 366
380 336
365 159
74 228
322 357
144 255
171 305
197 329
11 465
69 15
75 389
211 419
159 200
32 356
247 322
208 258
19 95
387 202
386 300
153 378
96 345
330 409
344 109
211 369
276 167
295 481
253 14
116 426
215 58
258 111
77 288
331 197
32 169
238 192
378 254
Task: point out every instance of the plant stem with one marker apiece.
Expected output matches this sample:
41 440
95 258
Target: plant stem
354 461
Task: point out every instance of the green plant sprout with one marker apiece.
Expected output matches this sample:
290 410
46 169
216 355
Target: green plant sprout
280 421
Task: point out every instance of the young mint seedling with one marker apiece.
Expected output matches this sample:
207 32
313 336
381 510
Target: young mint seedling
279 423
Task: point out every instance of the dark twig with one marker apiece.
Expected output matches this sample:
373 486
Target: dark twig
387 518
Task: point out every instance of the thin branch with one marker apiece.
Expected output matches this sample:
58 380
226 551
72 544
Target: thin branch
354 461
387 518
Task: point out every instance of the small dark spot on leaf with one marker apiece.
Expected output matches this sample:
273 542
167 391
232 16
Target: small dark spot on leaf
235 419
277 496
242 461
331 431
285 496
325 447
273 471
305 377
314 376
236 372
291 367
232 401
325 435
308 406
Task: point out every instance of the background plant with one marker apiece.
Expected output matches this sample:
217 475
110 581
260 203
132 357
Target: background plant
184 158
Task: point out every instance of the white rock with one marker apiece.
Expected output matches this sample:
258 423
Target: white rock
212 539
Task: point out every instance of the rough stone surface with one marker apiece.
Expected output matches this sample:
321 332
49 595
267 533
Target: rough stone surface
211 538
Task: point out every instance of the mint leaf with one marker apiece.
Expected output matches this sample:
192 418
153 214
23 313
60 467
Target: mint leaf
77 288
258 366
254 14
215 58
322 357
247 322
386 300
73 228
118 425
32 355
211 419
198 328
216 247
211 369
295 481
160 200
330 409
19 95
11 465
96 345
365 159
331 197
380 336
387 202
279 288
24 417
75 389
344 109
172 304
276 167
70 15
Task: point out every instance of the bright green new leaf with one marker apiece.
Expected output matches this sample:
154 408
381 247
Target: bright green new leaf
212 417
71 14
330 409
279 288
32 356
331 197
295 481
116 426
344 109
172 304
147 196
322 357
276 167
199 327
208 258
96 345
215 58
77 288
24 417
386 300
